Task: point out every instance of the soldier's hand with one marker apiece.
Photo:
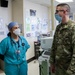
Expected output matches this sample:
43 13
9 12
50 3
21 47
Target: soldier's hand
53 68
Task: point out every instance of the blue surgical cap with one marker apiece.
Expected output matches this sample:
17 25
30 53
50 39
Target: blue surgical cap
11 24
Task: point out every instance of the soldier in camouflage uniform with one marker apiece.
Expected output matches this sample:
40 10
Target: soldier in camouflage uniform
62 57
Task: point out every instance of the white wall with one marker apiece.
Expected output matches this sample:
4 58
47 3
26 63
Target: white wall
6 13
41 12
5 18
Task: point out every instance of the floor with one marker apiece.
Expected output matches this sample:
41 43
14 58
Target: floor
33 68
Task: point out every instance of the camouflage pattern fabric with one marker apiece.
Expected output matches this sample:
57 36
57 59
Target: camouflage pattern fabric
63 49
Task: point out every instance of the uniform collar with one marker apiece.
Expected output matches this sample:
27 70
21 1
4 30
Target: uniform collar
14 40
67 23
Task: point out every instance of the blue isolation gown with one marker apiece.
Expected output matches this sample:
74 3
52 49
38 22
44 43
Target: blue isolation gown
14 55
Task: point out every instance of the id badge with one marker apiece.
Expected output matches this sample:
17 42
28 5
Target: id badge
17 51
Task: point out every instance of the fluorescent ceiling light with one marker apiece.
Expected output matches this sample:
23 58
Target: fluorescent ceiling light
63 1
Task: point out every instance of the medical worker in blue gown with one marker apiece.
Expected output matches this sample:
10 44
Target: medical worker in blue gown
14 48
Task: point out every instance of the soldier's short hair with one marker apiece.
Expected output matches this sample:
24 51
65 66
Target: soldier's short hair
64 5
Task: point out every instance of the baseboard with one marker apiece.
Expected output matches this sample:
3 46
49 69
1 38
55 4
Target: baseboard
31 59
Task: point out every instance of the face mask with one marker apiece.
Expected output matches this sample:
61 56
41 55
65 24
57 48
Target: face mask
17 31
58 18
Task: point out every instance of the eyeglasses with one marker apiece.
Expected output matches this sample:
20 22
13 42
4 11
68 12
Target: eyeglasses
59 11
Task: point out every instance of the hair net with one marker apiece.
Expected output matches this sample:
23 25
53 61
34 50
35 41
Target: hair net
11 24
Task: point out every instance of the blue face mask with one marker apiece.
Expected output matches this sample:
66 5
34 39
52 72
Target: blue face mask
58 18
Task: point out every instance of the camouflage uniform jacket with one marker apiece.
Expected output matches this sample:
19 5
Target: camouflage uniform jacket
63 49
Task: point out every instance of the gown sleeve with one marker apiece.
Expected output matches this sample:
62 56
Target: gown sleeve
3 47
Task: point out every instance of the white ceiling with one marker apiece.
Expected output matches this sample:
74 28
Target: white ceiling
48 3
